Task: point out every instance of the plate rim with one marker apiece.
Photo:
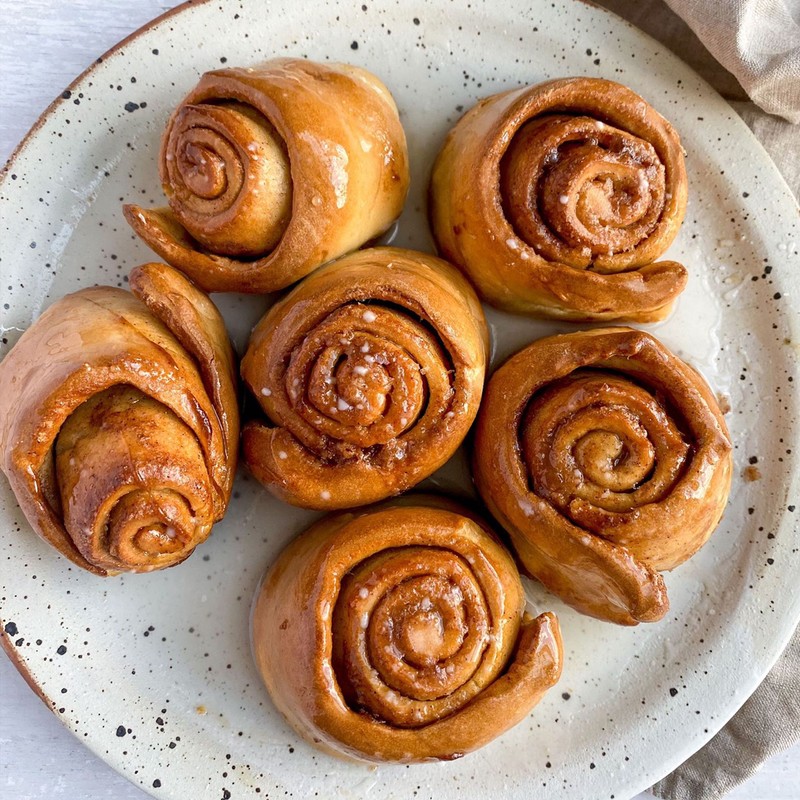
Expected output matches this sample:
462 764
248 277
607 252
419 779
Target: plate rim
55 103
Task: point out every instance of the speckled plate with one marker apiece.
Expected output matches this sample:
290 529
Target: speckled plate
154 672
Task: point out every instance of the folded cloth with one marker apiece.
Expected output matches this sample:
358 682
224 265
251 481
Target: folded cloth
758 41
766 724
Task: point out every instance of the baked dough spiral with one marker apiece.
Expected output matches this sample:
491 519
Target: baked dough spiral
399 634
273 170
556 199
119 422
607 460
371 371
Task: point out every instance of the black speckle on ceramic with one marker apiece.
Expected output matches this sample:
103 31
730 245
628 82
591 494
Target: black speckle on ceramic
180 709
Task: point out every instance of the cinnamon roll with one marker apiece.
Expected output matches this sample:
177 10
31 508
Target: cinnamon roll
370 371
607 460
399 634
273 170
557 199
119 422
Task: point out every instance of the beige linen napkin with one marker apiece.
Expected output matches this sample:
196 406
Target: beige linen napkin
770 720
780 138
758 41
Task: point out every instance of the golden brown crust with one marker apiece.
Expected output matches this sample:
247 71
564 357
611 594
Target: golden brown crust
195 322
93 360
607 459
344 175
398 634
556 199
372 371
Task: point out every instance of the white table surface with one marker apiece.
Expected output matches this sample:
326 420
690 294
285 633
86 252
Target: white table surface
44 44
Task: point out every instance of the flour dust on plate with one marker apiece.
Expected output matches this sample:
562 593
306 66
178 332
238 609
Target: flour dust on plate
180 708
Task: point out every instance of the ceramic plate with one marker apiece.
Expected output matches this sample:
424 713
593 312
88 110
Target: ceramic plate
153 672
